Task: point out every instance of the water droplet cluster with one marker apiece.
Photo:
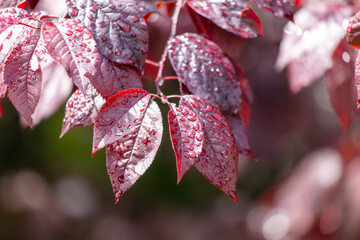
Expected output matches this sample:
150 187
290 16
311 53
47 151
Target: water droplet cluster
206 71
218 158
122 33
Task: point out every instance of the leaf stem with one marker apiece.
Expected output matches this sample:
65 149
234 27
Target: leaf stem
171 78
174 20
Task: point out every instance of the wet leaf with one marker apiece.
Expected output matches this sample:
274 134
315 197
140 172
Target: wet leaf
186 135
205 70
219 157
11 16
307 47
81 110
128 158
123 111
111 78
9 3
234 16
65 41
72 45
230 43
22 73
280 8
121 31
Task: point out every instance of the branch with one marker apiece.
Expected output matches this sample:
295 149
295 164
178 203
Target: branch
174 20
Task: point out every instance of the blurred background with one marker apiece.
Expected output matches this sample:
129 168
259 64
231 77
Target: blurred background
304 184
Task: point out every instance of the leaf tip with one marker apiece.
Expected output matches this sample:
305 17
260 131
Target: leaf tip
233 195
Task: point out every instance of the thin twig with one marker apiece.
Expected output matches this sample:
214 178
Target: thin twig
174 20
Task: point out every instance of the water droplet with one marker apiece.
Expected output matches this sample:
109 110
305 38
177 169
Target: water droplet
218 184
199 137
232 194
74 12
124 26
191 134
217 116
224 154
103 38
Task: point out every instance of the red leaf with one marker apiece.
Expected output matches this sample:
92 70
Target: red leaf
239 130
9 3
22 73
122 112
353 31
308 46
72 45
230 43
234 16
121 31
186 135
111 78
280 8
22 4
81 110
205 70
219 157
11 16
340 83
134 151
55 89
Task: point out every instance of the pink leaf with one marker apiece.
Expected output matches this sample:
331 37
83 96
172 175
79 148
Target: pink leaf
122 112
81 110
11 16
22 73
219 157
307 47
205 70
9 3
280 8
71 45
234 16
340 83
55 89
121 31
130 156
186 135
111 78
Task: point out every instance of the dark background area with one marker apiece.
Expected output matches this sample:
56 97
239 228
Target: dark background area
52 188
